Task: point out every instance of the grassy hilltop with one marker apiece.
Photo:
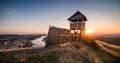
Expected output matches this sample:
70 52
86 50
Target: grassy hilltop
86 51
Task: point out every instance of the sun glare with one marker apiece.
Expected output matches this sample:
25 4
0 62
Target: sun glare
89 31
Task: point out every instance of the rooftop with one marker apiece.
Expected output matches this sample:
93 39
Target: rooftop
77 16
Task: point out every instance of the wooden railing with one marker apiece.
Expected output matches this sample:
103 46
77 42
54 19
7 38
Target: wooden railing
73 26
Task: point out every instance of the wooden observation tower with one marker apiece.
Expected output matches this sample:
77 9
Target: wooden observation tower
77 25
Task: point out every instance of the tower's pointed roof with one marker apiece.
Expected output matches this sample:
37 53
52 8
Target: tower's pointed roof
77 16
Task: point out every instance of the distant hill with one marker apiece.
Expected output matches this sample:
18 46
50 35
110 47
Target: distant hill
109 38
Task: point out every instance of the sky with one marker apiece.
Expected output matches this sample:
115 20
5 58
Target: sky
35 16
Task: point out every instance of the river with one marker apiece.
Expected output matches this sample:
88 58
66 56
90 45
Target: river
38 42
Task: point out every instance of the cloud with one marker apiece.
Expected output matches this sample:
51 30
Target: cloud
11 16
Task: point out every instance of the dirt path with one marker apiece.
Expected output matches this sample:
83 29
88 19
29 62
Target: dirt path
27 50
115 50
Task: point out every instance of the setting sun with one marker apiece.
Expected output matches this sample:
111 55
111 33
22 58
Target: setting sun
89 31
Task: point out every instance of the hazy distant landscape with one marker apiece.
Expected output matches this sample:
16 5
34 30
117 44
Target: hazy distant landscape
109 38
9 41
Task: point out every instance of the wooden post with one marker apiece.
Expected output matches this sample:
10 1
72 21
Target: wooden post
82 28
77 28
58 41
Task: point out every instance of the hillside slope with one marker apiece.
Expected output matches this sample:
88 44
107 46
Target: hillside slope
114 50
77 52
